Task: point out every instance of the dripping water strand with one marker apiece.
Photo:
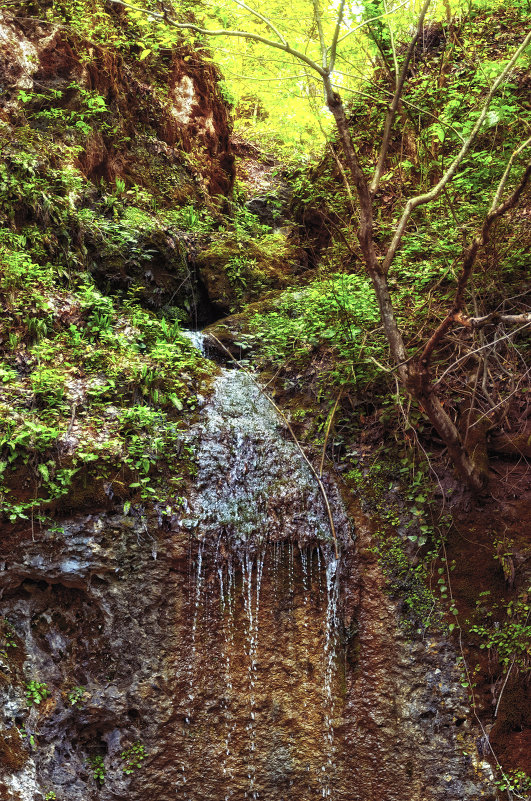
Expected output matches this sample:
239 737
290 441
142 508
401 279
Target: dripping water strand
332 593
227 605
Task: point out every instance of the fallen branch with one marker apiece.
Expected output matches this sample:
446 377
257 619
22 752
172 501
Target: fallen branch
477 350
495 318
455 315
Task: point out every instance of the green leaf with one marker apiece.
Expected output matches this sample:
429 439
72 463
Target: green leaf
43 470
176 402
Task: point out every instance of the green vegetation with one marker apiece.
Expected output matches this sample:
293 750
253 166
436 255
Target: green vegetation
36 692
337 312
250 260
86 352
30 737
109 234
409 537
133 757
515 781
7 638
97 768
505 630
75 696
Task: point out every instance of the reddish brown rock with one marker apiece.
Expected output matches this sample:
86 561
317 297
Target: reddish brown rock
187 115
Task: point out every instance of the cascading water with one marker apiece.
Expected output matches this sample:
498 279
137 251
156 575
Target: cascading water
263 607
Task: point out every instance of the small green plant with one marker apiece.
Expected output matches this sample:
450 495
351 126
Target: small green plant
50 796
505 630
515 781
8 638
48 387
133 757
75 695
26 735
36 692
98 768
189 218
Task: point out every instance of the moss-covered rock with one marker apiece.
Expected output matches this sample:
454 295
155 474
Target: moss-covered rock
129 119
236 270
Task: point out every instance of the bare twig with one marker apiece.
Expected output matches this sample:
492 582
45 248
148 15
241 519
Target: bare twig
434 193
327 432
455 313
501 185
319 22
494 318
265 20
391 113
253 37
477 350
393 48
372 19
333 46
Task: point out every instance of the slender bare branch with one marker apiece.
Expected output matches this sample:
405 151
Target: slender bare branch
434 193
333 46
455 313
253 37
402 100
393 48
265 20
264 80
469 353
322 41
372 19
327 432
505 176
494 319
391 112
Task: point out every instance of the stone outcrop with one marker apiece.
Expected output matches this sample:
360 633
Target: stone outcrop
136 645
149 125
89 132
222 653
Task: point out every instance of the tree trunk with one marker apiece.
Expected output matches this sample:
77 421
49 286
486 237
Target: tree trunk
473 473
415 379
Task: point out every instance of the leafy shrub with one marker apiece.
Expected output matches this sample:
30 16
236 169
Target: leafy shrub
337 312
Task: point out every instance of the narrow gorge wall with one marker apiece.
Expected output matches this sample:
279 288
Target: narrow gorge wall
155 113
217 653
227 645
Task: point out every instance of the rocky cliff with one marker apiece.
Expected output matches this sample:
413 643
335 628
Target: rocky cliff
181 615
223 652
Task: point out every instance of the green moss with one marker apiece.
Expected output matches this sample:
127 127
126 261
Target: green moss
238 267
122 379
13 756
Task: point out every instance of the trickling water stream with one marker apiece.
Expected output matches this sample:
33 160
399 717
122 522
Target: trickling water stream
263 607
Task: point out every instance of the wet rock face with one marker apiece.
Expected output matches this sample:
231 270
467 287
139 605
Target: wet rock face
252 484
231 672
199 659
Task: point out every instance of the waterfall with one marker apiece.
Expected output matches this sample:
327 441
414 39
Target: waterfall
262 686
